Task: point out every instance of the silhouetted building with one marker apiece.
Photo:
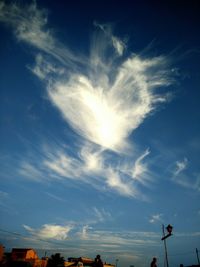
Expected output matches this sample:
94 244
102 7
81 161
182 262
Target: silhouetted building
26 257
23 254
1 253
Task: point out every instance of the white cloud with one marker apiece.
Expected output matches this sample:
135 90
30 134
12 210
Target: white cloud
50 231
31 172
91 166
106 114
84 233
89 112
63 165
93 160
89 237
156 218
115 182
43 68
119 45
111 40
120 239
102 215
182 178
104 103
140 168
180 166
30 26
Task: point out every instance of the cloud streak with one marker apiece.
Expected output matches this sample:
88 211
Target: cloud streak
181 166
90 167
90 236
182 178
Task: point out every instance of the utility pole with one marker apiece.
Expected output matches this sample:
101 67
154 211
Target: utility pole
197 256
165 245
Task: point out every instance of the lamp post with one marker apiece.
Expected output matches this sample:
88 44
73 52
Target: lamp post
169 230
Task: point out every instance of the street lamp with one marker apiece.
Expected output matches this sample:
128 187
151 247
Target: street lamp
169 230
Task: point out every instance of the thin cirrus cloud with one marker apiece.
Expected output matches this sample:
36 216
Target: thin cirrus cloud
90 167
30 26
156 218
141 168
181 166
181 177
102 215
89 236
114 238
103 98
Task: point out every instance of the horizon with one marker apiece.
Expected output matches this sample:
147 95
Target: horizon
100 132
47 253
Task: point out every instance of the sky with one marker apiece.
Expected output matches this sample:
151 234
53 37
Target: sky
100 132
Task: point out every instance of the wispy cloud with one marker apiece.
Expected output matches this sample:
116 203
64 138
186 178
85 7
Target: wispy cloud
84 233
156 218
102 215
50 231
183 178
44 69
53 196
103 97
181 166
31 172
114 181
93 159
116 239
118 44
30 25
63 165
140 168
91 166
106 114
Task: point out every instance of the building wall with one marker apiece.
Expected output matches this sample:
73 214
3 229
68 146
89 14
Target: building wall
23 254
31 254
1 252
18 255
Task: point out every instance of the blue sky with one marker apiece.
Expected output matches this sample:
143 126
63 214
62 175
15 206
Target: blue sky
100 128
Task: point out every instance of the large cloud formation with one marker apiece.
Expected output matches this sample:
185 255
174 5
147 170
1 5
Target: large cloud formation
103 97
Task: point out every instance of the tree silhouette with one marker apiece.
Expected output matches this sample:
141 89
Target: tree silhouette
56 261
